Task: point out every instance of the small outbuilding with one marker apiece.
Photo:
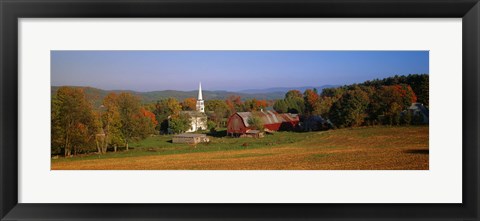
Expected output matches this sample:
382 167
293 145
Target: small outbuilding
190 138
315 123
253 133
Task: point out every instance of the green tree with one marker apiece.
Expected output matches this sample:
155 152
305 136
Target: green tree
164 109
295 105
293 94
280 106
256 122
350 109
111 122
129 108
211 126
179 123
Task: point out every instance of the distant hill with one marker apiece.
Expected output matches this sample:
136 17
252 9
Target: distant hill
97 95
285 89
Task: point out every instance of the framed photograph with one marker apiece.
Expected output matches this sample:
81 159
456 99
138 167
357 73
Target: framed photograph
239 110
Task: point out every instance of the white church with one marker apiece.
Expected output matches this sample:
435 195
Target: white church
198 118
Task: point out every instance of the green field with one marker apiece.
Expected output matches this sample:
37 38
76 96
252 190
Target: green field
353 148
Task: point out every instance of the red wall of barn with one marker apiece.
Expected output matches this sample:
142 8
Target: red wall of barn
273 127
277 126
235 125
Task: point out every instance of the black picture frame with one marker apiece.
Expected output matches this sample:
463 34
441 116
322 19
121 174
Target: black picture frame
12 10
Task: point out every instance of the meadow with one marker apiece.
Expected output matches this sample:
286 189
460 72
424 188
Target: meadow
363 148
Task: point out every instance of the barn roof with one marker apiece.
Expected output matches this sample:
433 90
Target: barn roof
268 117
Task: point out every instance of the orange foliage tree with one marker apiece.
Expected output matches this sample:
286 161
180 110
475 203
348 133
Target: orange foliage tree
234 103
189 104
149 115
312 102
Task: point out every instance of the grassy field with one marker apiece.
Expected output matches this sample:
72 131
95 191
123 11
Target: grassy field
368 148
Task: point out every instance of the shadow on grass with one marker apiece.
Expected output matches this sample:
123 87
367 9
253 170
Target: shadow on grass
220 133
417 151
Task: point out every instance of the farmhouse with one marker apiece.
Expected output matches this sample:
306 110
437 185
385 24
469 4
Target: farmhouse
190 138
272 121
418 109
198 118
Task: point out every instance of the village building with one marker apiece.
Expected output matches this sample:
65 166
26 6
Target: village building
238 125
315 123
418 109
198 118
190 138
253 133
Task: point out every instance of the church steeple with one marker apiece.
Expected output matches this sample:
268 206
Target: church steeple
200 91
200 104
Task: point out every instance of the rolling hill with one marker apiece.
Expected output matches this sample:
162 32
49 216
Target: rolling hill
284 89
97 95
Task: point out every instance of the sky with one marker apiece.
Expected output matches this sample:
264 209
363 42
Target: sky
228 70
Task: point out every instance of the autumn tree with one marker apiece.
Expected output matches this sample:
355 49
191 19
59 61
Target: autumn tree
111 122
145 123
149 115
164 109
235 104
312 102
254 105
73 120
129 109
418 82
189 104
217 110
389 101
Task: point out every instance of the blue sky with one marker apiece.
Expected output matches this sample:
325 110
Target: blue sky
228 70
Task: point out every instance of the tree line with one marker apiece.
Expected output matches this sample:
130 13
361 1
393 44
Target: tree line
369 103
79 127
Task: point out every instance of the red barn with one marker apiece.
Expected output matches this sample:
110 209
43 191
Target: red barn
272 121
